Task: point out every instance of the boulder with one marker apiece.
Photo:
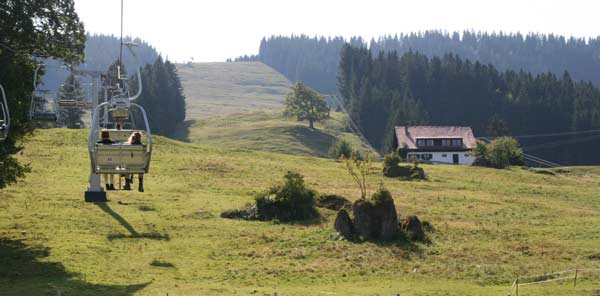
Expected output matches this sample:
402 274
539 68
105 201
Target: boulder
363 219
397 171
246 213
417 173
386 220
333 202
343 224
413 227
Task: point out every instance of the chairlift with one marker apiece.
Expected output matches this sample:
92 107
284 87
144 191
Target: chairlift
39 99
119 158
5 116
78 103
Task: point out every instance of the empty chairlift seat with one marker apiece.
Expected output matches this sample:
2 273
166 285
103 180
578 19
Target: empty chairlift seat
121 159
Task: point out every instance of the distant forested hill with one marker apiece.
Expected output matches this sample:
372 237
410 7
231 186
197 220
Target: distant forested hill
314 60
385 90
100 52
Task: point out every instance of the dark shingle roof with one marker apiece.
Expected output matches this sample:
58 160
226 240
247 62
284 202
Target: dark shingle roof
407 135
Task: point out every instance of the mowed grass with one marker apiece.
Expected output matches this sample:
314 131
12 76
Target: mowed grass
270 131
224 88
490 226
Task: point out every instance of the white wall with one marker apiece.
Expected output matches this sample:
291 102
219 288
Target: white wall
438 157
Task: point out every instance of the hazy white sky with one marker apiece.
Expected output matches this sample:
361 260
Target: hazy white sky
216 30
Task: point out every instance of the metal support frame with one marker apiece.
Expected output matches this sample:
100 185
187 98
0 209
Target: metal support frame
5 126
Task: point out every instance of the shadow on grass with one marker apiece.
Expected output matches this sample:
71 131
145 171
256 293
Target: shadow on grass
132 232
402 242
316 140
182 131
158 263
23 272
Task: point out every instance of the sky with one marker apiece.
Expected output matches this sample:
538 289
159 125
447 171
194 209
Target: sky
214 30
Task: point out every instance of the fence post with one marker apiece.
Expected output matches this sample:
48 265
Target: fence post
517 287
575 279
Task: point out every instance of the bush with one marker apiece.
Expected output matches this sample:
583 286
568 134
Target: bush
500 153
382 195
341 149
391 160
504 152
288 201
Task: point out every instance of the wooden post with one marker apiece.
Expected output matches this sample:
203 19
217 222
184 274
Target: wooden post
575 279
517 287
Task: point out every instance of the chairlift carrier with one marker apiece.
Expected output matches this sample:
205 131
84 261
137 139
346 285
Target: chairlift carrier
43 115
121 157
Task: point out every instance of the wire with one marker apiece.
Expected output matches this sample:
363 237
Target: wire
550 134
559 143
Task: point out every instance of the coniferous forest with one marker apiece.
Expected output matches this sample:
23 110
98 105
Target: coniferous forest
100 52
314 60
386 89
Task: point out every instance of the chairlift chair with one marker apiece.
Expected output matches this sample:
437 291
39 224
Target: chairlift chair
5 116
39 98
121 157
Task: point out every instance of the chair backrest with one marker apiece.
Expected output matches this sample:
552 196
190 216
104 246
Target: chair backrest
120 136
120 159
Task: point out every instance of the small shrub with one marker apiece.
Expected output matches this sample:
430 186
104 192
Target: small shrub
382 195
289 201
391 160
341 149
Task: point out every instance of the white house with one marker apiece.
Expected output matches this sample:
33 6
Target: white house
436 144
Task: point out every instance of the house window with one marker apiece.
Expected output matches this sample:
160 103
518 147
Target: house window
444 155
456 142
466 155
426 156
425 142
446 143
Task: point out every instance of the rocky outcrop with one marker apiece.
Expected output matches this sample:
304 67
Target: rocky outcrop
413 228
343 224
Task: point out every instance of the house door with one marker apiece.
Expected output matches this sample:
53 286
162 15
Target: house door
455 158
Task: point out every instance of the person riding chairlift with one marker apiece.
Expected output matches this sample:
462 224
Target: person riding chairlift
109 179
134 139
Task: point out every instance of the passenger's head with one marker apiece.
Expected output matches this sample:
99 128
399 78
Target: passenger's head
118 126
105 135
135 138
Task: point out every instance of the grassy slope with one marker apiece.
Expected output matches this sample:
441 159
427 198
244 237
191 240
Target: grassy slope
269 131
232 105
224 88
490 226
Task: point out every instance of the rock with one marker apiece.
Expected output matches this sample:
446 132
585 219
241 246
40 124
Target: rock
417 173
343 224
333 202
386 220
363 219
247 213
594 257
413 227
397 171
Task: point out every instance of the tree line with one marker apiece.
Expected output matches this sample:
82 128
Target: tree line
314 60
385 90
100 52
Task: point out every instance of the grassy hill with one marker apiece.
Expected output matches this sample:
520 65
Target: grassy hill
238 105
224 88
490 225
270 131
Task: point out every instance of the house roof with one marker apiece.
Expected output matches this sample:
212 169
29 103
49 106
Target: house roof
407 135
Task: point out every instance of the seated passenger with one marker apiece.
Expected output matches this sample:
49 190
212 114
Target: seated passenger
134 139
109 179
